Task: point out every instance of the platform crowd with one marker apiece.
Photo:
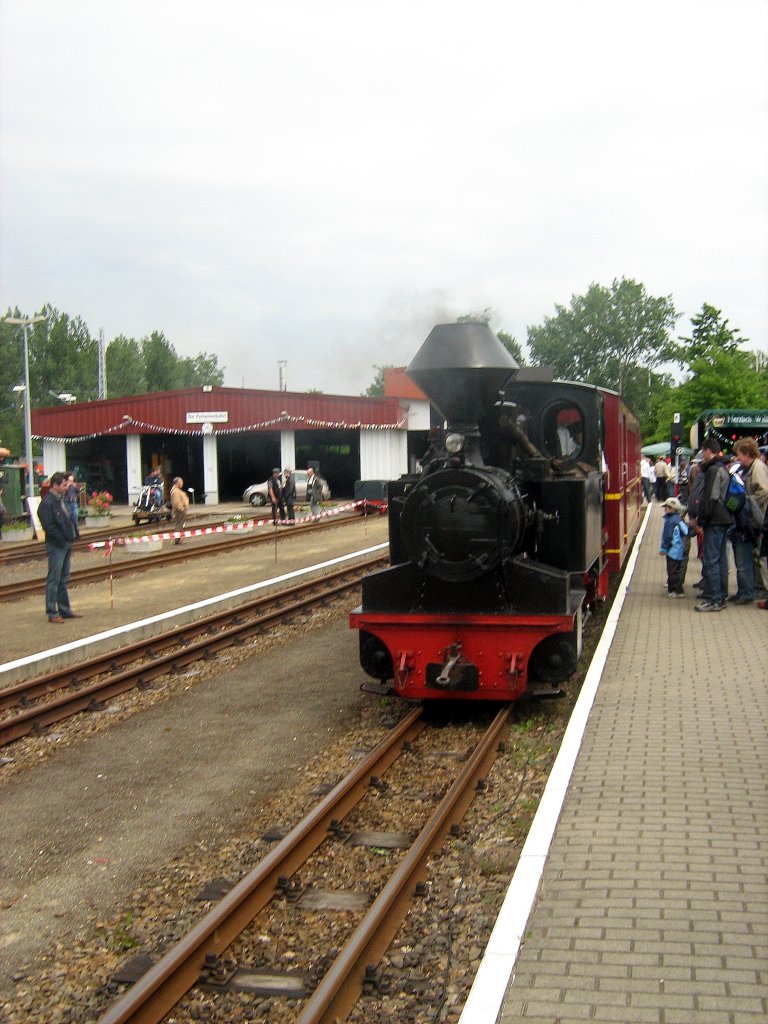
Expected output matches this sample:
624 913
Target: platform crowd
700 506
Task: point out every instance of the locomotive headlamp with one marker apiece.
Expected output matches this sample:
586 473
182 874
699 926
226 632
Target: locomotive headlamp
454 443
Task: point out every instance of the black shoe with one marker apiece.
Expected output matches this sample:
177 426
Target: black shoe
698 585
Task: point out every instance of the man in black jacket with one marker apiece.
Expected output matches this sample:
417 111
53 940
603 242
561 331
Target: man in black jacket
275 492
715 520
59 534
289 494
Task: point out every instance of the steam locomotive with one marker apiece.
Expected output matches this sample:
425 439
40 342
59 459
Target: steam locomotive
527 499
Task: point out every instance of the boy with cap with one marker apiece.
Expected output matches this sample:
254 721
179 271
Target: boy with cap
675 544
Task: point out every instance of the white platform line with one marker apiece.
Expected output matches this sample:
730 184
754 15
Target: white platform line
490 984
185 610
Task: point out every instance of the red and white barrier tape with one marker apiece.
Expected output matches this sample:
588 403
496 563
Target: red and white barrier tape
251 524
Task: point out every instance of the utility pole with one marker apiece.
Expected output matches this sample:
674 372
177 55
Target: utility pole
24 322
102 365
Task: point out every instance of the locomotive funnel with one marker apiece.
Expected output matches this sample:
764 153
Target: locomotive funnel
461 368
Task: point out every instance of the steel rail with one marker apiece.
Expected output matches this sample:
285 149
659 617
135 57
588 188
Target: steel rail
36 718
35 549
110 661
340 987
167 981
234 540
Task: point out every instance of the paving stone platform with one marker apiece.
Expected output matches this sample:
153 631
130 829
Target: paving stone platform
653 904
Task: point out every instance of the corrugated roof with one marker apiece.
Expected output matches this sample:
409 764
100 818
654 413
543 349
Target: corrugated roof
397 384
240 409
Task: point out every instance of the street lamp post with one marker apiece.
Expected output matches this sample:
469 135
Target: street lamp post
24 322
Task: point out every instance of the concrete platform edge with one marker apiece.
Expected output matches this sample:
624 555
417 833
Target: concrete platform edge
114 639
498 963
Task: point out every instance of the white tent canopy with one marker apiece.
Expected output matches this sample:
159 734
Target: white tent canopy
662 448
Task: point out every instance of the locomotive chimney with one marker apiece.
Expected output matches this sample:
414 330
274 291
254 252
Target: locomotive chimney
461 368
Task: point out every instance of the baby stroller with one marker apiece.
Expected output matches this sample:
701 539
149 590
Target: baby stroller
149 505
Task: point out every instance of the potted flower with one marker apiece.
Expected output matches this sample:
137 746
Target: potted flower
99 507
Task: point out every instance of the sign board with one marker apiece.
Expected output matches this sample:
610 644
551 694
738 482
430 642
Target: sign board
33 504
208 417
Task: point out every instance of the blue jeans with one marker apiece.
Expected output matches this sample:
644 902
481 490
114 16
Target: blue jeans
743 555
56 596
715 564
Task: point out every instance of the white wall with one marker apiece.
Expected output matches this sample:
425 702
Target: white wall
418 415
54 457
383 454
288 449
133 466
210 469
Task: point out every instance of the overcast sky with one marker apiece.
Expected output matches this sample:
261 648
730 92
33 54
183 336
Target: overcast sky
322 181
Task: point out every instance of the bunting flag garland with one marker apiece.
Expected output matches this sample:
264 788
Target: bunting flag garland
130 425
251 524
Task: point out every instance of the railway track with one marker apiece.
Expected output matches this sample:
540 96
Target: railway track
330 991
42 701
12 554
136 563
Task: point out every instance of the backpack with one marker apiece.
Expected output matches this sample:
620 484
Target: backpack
684 532
748 516
736 496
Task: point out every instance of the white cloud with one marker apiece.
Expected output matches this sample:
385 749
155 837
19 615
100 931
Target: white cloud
318 182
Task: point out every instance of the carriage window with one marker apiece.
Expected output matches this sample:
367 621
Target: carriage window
564 431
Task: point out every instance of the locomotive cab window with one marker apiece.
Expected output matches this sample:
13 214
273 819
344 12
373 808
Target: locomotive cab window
563 431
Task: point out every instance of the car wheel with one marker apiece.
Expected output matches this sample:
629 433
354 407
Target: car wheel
258 500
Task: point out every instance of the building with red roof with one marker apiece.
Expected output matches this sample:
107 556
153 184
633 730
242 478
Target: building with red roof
222 440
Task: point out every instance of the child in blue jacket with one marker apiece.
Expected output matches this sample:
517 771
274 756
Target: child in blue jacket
675 544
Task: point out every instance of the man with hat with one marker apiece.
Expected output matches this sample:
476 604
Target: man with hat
275 492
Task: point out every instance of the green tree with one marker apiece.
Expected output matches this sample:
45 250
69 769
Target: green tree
513 346
125 368
63 358
198 370
710 335
606 336
720 375
376 388
11 375
161 363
